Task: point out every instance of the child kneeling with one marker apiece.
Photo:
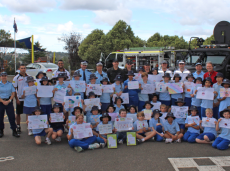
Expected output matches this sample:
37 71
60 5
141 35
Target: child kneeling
81 144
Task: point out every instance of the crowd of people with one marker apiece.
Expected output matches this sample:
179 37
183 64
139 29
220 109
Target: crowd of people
163 125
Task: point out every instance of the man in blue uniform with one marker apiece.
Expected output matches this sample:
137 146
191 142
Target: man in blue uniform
85 73
99 73
7 93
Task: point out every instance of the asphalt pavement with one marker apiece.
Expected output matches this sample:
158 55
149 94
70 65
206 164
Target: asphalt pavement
59 156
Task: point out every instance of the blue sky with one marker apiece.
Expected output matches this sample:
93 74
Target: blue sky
49 19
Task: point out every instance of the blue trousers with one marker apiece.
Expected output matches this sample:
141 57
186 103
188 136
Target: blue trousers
46 109
216 113
158 137
10 113
173 101
100 140
190 137
121 136
141 105
199 111
203 112
133 100
84 143
167 103
187 101
221 143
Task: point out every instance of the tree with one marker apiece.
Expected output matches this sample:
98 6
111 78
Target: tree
72 43
208 40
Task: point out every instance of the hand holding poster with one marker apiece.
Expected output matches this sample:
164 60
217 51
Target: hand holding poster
105 129
155 78
224 92
92 102
78 86
124 96
148 89
45 91
193 119
205 93
72 101
190 85
30 90
108 88
224 123
160 87
148 114
133 85
124 124
59 95
174 88
180 111
56 117
208 122
96 88
37 122
82 131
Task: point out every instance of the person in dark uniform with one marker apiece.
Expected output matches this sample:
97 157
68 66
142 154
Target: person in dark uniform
147 67
115 70
129 65
7 93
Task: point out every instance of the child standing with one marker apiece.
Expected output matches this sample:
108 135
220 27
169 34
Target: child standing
133 93
45 102
105 97
193 128
187 95
30 101
164 111
209 133
143 97
118 104
165 96
155 101
176 96
41 132
119 87
224 101
181 121
223 140
143 131
81 144
219 78
58 127
155 71
140 70
172 129
196 102
77 77
156 124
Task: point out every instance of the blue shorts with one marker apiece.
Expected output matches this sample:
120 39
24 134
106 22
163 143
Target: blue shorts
43 133
210 136
142 134
182 126
56 130
28 110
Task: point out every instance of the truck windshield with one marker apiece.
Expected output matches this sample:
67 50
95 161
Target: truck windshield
192 59
215 59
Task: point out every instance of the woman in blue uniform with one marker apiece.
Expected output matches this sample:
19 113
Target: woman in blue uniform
7 93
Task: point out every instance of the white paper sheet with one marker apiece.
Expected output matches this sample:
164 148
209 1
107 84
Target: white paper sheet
30 90
72 101
208 122
37 122
96 88
124 96
160 87
82 131
133 85
59 95
155 78
180 112
56 117
92 102
45 91
205 93
133 116
105 129
156 105
224 123
148 89
78 86
108 88
124 124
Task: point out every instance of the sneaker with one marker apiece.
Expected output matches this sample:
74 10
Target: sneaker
78 149
102 145
30 132
58 139
153 139
178 141
139 141
18 129
66 130
120 141
93 146
168 140
48 141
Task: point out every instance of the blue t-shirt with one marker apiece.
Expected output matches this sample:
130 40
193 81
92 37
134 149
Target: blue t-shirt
225 133
45 101
30 100
195 102
224 103
172 128
118 108
210 130
153 123
191 129
105 98
6 90
119 88
143 124
187 94
143 97
165 96
217 89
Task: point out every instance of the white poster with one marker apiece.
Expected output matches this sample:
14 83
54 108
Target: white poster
105 129
193 119
59 95
205 93
148 89
45 91
72 101
180 112
56 117
208 122
124 124
133 116
37 122
137 76
133 85
224 123
96 88
156 105
92 102
78 86
124 96
82 131
160 87
141 125
108 88
155 78
148 114
30 90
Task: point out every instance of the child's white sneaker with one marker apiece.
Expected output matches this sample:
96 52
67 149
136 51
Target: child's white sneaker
178 141
93 146
48 141
30 132
102 145
120 141
153 139
168 140
58 139
66 130
78 149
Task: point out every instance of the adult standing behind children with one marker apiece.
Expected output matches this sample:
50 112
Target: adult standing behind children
147 67
164 69
19 82
99 73
129 64
7 92
199 72
85 73
61 69
114 71
182 71
211 73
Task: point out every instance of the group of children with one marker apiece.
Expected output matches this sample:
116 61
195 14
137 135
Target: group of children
162 126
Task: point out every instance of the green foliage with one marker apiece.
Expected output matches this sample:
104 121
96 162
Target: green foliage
208 40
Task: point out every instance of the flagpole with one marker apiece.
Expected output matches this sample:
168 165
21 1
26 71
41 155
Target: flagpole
15 48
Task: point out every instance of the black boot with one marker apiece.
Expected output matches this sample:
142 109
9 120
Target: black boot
18 129
1 133
15 133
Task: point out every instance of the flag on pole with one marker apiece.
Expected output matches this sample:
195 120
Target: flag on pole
15 27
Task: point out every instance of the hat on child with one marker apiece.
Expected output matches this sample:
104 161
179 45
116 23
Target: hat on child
92 76
193 108
94 108
177 76
91 93
30 79
130 73
190 76
37 108
105 115
207 79
56 105
62 75
118 78
155 111
40 72
225 81
219 74
180 100
77 74
140 68
198 78
147 102
104 80
170 114
129 62
167 75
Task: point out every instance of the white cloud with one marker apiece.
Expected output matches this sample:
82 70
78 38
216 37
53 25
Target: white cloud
65 27
86 26
1 5
33 6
